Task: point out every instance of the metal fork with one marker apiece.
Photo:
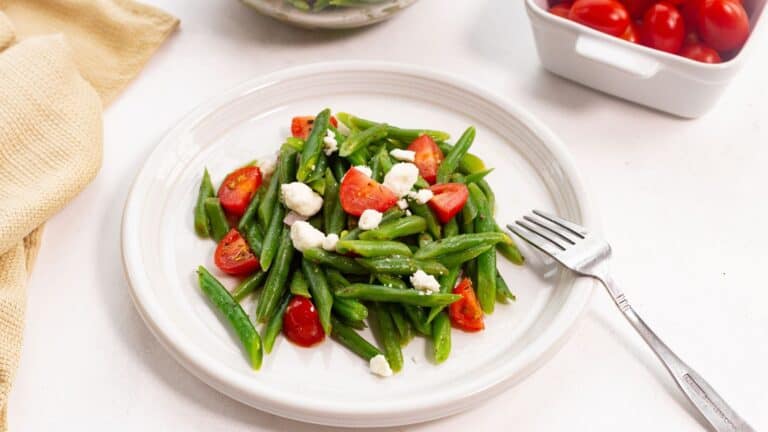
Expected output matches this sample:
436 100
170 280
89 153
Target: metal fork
585 253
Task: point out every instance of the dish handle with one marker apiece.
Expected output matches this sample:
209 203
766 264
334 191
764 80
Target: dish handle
616 56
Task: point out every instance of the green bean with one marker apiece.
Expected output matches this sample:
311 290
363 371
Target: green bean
268 201
319 172
447 282
451 161
459 243
441 337
414 313
421 183
401 265
389 216
503 293
379 161
477 176
247 218
339 262
333 214
433 226
217 218
349 309
313 146
276 281
272 237
202 224
391 281
338 168
316 221
385 162
509 250
404 135
352 340
336 279
372 248
469 164
300 5
248 285
362 139
424 239
395 295
321 293
359 157
451 228
489 195
388 337
275 324
456 259
469 211
287 166
294 143
255 238
238 319
299 286
357 325
486 262
397 228
401 324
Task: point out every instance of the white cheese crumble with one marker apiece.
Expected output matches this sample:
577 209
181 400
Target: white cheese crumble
329 143
343 129
401 177
370 219
402 203
267 166
364 169
380 366
408 213
422 196
330 241
403 155
292 217
424 282
305 236
301 198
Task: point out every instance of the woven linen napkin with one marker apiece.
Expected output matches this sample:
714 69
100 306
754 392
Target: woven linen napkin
61 61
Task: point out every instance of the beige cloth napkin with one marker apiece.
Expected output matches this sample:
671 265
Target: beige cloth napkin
60 62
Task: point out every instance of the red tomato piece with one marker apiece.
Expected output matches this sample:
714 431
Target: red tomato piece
301 322
631 34
663 27
723 24
560 10
448 200
233 255
301 126
466 313
637 8
701 52
428 157
238 188
607 16
358 193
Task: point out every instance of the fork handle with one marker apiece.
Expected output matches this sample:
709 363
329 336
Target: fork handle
717 412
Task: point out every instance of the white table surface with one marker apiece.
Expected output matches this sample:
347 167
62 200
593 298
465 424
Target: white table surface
678 200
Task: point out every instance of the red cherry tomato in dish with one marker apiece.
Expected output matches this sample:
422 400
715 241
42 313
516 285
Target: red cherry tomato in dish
238 188
234 257
631 34
301 322
723 24
561 9
428 157
663 27
448 200
701 52
358 193
637 8
465 313
302 126
607 16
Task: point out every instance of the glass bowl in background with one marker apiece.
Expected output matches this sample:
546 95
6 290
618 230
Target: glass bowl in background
363 13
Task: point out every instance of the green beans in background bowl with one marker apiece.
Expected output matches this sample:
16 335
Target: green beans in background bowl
329 14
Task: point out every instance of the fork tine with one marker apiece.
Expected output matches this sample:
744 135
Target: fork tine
541 232
535 240
570 226
553 228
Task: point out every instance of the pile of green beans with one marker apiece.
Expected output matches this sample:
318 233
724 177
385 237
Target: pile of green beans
366 280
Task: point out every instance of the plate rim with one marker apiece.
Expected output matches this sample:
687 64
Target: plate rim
322 412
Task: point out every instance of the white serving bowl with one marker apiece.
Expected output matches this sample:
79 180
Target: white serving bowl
650 77
331 18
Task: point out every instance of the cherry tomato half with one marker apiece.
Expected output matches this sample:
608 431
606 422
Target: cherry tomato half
358 193
448 200
238 188
301 126
701 52
233 255
723 24
301 322
663 27
428 157
466 313
607 16
561 10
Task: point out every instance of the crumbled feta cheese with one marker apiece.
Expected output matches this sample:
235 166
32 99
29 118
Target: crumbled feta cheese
402 203
408 213
422 196
370 219
329 143
401 177
267 166
292 217
343 129
330 241
403 155
364 169
301 198
424 282
305 236
380 366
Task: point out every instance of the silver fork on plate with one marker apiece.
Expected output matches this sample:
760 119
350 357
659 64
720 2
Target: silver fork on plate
585 253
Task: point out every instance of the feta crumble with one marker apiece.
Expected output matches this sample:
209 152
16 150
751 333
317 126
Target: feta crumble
301 198
364 169
267 166
403 155
425 283
370 219
402 203
305 236
380 366
422 196
292 217
401 177
330 145
330 241
343 129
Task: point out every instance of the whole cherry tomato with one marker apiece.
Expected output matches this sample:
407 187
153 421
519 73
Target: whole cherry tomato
607 16
701 52
663 27
637 8
723 24
561 10
301 322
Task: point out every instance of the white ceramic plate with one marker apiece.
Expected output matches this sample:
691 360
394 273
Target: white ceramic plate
329 384
331 18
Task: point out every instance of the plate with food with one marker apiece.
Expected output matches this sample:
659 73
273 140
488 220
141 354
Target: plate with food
326 244
330 14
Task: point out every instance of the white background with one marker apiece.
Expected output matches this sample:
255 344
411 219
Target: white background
684 204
